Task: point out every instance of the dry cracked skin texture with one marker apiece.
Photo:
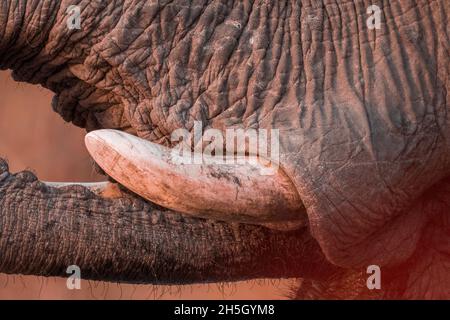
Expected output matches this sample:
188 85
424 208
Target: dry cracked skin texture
354 107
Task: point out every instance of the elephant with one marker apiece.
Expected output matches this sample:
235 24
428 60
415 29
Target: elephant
364 143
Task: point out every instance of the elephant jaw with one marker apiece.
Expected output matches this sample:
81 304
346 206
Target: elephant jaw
235 192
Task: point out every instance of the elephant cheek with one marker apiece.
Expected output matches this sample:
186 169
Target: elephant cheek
356 219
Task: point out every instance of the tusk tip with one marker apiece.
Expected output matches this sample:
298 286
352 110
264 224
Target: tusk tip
104 139
102 135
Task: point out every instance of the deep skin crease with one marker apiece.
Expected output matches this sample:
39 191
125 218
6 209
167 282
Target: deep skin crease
363 125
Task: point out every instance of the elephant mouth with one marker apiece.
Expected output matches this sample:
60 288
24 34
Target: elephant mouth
250 191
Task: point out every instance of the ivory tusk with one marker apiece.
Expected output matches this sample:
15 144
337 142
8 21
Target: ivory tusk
230 192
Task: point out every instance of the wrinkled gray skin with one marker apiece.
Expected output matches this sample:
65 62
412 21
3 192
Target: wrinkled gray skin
363 120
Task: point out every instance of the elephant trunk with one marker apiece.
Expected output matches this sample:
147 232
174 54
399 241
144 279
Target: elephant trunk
44 230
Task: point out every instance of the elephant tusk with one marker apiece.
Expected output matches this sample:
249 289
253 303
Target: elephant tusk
228 192
104 189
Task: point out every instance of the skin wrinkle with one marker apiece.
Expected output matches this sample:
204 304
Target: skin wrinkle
353 229
392 106
31 34
11 22
427 263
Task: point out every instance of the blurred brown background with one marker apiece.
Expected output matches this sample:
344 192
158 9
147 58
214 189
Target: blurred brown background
33 137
